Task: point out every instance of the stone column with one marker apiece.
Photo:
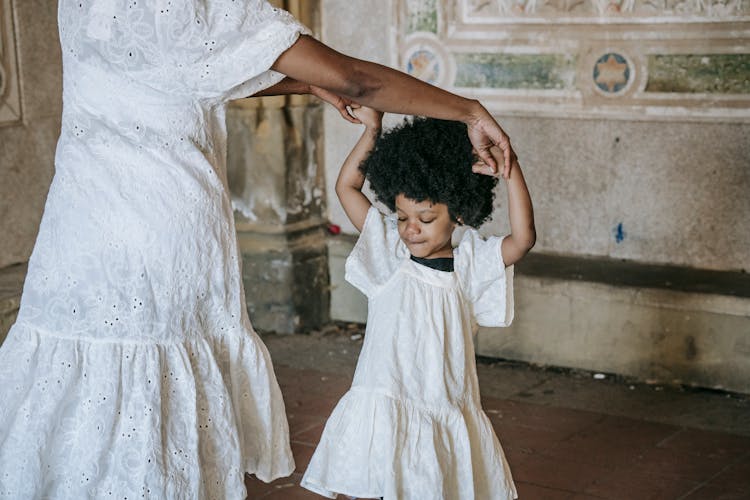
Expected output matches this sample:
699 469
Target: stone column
30 106
276 177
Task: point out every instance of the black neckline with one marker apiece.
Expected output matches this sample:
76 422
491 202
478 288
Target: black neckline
439 263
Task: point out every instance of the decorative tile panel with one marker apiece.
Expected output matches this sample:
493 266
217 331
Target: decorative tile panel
421 15
515 71
612 73
10 97
712 73
626 59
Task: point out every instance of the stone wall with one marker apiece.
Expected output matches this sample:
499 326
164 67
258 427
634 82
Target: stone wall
30 107
630 118
276 181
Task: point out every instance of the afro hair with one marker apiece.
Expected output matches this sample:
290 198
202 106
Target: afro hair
430 159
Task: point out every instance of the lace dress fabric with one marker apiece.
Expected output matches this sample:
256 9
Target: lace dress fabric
411 427
132 370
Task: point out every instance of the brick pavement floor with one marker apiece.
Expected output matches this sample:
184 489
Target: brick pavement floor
565 435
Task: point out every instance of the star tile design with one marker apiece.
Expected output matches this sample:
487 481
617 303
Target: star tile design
611 73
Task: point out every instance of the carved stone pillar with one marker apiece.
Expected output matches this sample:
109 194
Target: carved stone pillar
275 171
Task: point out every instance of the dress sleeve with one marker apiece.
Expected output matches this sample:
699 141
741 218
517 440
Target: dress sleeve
224 49
377 254
487 283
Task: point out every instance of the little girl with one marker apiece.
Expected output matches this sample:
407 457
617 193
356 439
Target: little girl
411 426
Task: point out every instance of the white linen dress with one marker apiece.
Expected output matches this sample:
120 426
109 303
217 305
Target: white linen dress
132 370
411 427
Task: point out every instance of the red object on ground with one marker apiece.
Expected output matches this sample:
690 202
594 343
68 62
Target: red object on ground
334 229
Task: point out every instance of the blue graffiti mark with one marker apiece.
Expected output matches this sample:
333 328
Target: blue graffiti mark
619 233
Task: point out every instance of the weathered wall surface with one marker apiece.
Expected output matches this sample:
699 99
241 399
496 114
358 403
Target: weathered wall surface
653 192
633 139
276 177
359 29
631 120
30 107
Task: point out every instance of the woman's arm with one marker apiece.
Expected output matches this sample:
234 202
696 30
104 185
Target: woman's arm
289 86
351 179
521 213
286 86
389 90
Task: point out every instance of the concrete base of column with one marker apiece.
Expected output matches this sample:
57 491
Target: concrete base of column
286 278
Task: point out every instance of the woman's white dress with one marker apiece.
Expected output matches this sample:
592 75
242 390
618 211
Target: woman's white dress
411 427
132 370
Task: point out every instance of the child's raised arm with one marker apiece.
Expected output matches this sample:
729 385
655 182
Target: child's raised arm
351 179
521 213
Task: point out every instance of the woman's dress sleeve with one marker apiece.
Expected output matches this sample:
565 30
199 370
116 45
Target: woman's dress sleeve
224 49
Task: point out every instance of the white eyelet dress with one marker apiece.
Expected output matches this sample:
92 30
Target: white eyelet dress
411 427
132 370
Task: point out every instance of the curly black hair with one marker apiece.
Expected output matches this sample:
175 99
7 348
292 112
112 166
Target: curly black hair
430 159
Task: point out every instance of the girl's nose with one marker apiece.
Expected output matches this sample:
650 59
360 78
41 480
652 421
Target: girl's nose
412 228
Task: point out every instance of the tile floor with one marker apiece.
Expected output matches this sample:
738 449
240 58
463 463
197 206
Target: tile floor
555 451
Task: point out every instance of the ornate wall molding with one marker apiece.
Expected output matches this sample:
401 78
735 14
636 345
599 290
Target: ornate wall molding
616 59
10 95
603 11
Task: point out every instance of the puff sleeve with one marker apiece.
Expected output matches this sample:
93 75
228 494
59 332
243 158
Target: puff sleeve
487 283
224 49
377 254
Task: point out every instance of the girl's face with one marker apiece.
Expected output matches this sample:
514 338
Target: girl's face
425 227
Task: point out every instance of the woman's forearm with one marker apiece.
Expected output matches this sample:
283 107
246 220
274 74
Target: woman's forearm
389 90
371 84
285 87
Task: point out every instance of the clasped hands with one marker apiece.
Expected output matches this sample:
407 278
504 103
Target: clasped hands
491 143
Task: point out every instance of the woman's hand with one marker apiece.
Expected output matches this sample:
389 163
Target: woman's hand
480 167
343 104
371 118
491 144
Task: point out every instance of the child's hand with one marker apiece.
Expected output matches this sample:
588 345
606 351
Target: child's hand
342 104
371 118
491 143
